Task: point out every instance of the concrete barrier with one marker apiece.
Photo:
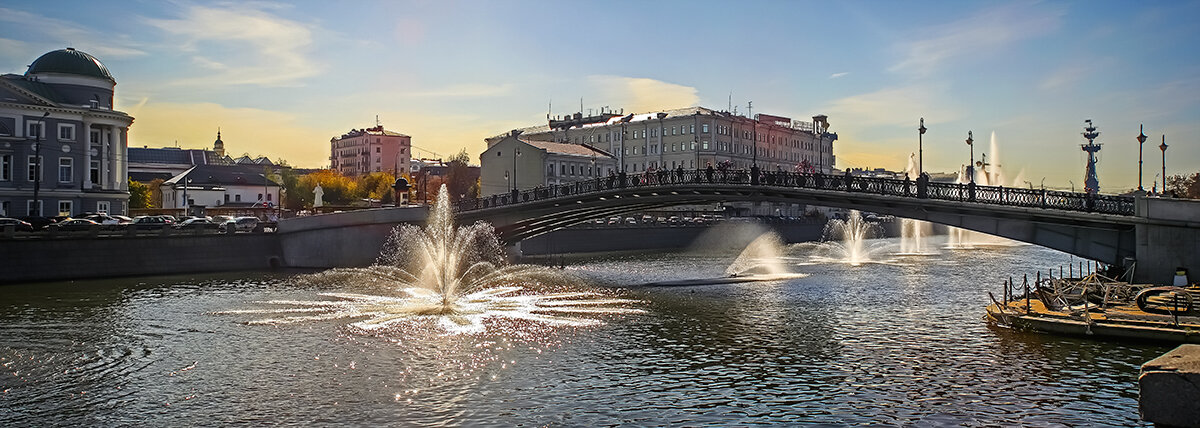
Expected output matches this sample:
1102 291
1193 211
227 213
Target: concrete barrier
1170 388
78 257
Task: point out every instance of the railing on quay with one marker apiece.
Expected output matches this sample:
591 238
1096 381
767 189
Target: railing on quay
917 189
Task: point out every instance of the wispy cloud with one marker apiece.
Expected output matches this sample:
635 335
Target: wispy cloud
838 75
896 106
253 46
1066 77
984 32
464 90
639 94
41 29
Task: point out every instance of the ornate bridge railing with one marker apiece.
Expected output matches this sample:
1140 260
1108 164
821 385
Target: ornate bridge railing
917 189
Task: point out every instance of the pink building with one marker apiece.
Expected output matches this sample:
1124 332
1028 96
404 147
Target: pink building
363 151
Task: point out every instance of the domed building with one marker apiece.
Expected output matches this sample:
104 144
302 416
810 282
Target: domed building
61 142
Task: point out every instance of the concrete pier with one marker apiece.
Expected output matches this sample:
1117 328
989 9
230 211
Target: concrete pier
1170 388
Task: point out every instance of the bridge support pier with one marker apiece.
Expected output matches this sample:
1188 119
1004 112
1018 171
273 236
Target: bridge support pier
512 252
1161 249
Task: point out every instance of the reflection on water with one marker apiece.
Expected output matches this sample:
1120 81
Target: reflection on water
889 344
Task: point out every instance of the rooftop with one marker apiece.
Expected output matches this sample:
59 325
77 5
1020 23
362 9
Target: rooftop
70 61
567 149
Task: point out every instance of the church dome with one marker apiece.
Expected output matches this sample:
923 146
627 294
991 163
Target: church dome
70 61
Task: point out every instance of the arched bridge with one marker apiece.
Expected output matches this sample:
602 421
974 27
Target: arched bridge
1113 229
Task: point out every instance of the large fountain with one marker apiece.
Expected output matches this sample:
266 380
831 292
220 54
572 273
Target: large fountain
849 241
987 171
453 276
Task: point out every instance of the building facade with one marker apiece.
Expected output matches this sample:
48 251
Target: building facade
363 151
61 139
221 187
695 137
527 163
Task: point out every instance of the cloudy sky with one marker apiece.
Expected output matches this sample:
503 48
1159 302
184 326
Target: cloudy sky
282 79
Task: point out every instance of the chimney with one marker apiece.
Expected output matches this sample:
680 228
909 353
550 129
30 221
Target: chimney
515 133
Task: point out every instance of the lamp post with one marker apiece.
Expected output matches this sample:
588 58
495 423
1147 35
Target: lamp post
1162 146
921 147
516 153
37 162
971 166
1141 139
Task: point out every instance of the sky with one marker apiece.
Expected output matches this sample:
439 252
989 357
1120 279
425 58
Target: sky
281 79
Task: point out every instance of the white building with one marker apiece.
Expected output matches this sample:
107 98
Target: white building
220 186
529 163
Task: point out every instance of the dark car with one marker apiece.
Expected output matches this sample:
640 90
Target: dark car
75 224
39 223
18 225
197 223
150 222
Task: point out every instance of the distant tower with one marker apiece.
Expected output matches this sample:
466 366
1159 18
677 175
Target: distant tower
219 146
1091 183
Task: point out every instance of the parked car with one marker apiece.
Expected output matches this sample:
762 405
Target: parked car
197 223
75 224
246 224
104 219
222 219
150 222
122 219
18 225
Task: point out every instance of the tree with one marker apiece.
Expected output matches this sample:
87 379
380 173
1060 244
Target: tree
459 180
338 189
1184 186
139 195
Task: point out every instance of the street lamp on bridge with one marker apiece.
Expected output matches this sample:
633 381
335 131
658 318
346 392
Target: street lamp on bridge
921 147
971 166
1141 139
1163 147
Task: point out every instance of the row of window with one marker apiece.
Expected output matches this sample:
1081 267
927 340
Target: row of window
36 129
66 168
65 208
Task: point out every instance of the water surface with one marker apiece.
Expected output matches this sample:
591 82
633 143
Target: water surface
897 343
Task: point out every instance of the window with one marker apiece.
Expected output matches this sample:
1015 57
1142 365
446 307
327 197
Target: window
672 130
260 197
227 198
34 129
95 173
268 197
237 198
377 149
5 167
704 128
66 132
102 207
34 171
4 207
29 208
550 170
65 167
691 129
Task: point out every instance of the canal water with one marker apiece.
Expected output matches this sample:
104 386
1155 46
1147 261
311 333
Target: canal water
902 342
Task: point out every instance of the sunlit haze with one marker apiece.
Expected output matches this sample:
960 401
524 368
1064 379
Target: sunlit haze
281 79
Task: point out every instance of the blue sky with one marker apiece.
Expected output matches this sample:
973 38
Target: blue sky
281 79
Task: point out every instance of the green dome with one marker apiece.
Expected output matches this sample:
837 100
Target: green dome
70 61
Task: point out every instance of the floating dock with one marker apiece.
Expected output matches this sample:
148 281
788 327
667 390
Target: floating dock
1102 308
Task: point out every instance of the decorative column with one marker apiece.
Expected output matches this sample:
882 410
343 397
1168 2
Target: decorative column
86 137
102 141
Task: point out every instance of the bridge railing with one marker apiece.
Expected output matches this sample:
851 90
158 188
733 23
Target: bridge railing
964 192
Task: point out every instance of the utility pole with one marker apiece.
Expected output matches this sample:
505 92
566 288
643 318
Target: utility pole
37 161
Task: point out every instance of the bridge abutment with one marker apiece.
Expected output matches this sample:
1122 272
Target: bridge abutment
1168 239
